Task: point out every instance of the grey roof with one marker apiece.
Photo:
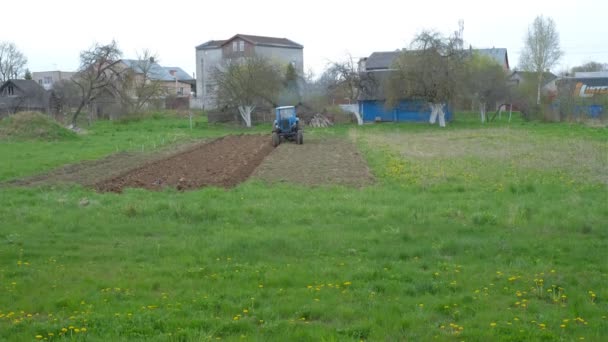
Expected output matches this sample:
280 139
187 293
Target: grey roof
181 74
158 72
498 54
255 40
381 60
590 74
212 44
529 75
269 41
29 87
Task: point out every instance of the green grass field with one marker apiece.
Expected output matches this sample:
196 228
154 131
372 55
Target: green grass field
471 233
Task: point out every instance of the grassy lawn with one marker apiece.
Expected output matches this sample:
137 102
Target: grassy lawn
474 233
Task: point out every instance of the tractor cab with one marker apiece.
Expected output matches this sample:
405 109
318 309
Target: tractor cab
286 126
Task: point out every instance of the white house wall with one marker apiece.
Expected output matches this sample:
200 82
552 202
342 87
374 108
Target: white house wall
283 56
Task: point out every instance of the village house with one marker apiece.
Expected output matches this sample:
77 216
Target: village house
22 95
48 78
213 53
376 69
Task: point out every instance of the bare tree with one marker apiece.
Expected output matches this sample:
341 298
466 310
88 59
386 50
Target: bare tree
142 82
432 71
97 73
246 83
541 49
65 96
590 67
12 61
486 82
343 79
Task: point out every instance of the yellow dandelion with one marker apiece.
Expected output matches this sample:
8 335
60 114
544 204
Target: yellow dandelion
493 324
39 337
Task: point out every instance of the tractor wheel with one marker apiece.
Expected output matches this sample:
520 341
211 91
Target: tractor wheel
276 140
300 137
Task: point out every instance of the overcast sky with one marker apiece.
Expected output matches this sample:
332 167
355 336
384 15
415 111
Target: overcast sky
52 33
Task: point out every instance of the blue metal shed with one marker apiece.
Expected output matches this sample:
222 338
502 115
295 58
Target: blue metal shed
405 111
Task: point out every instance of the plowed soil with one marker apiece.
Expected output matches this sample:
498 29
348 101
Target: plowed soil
223 162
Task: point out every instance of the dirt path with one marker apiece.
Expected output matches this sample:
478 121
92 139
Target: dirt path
317 162
222 162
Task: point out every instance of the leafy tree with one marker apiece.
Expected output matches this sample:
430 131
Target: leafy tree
541 50
27 75
290 95
98 73
12 61
432 71
486 81
246 83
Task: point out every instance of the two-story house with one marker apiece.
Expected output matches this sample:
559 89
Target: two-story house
47 78
213 53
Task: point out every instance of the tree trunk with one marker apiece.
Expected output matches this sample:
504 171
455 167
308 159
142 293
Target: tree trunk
245 112
437 112
433 117
482 110
75 116
540 82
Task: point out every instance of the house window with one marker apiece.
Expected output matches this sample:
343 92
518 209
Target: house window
234 46
241 46
48 80
180 91
40 81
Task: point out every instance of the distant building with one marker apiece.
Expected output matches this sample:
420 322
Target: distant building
47 78
176 81
22 95
520 77
384 60
213 53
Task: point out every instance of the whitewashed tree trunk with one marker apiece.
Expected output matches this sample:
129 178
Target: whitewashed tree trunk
359 118
433 117
482 110
245 112
437 112
510 111
441 114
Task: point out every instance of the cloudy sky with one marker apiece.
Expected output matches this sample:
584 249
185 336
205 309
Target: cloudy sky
52 33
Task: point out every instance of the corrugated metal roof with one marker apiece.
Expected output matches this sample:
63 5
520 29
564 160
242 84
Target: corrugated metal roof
158 72
381 60
181 74
497 54
590 74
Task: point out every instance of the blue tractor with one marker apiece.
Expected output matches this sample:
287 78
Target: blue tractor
286 126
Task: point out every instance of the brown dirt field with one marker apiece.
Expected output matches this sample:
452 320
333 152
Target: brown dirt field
316 162
88 173
223 162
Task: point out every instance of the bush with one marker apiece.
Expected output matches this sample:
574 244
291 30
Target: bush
33 125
